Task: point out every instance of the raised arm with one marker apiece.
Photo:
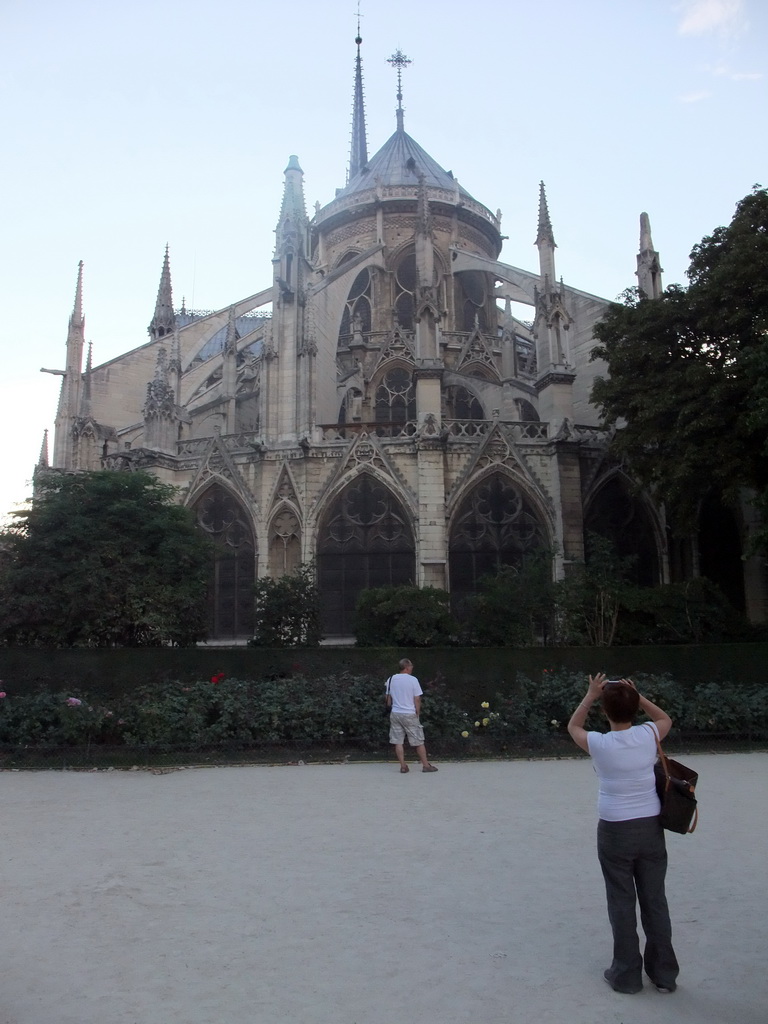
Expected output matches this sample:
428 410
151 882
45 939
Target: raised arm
660 718
579 716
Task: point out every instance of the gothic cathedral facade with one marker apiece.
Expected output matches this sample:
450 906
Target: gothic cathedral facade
381 408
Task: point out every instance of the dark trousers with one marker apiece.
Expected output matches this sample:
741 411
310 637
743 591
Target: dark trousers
633 858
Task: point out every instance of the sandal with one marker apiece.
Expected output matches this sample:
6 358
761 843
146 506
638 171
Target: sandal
404 769
429 768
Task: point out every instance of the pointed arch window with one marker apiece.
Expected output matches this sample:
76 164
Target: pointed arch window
473 296
356 317
395 400
616 514
461 404
405 291
230 596
496 525
365 541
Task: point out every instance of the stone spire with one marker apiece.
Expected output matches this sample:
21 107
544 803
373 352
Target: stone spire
42 461
163 322
648 265
160 412
545 240
293 211
358 153
85 397
71 382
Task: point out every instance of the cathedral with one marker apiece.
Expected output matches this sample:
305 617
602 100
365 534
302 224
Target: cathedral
382 407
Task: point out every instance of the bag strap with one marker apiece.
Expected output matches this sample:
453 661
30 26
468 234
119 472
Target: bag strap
665 766
662 755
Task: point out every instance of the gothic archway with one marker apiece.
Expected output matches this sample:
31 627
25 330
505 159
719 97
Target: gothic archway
364 541
230 598
720 550
623 519
495 525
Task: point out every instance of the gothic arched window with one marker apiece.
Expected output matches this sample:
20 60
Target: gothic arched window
461 404
473 297
622 519
365 541
495 526
405 291
230 597
395 400
357 309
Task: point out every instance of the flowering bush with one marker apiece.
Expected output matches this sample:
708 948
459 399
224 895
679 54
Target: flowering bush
227 714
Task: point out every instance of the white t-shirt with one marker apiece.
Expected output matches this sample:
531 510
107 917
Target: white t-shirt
403 688
623 760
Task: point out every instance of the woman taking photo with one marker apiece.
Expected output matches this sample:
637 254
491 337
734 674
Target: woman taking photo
630 839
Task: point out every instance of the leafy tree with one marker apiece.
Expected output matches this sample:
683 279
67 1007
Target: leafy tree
404 616
103 559
692 612
514 607
287 610
591 597
688 371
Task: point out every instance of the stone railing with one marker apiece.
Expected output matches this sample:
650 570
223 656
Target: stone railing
467 430
346 431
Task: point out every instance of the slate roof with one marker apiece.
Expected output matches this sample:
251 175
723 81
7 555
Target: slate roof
400 161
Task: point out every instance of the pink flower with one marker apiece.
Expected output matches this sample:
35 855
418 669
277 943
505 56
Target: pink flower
2 693
73 702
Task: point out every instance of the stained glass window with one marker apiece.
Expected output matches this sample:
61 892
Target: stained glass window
230 597
365 541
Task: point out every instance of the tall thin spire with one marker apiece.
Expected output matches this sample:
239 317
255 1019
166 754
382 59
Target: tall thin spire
163 321
71 381
545 241
43 458
358 154
85 396
545 224
77 320
400 61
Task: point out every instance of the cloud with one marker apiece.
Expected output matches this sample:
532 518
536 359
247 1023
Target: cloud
700 16
723 71
695 97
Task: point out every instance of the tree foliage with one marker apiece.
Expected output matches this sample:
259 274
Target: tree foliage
404 616
515 606
287 610
688 385
103 559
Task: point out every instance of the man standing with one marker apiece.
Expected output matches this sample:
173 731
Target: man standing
404 698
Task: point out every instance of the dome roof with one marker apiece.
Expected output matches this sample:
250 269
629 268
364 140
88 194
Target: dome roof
401 161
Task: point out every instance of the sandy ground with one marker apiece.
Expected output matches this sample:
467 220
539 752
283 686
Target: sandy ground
352 894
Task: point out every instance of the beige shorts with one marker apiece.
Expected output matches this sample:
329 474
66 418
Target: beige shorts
401 726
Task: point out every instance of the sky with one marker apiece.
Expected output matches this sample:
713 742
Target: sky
131 125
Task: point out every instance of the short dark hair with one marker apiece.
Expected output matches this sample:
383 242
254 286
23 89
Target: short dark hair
620 702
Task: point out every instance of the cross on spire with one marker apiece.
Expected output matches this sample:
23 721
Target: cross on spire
399 61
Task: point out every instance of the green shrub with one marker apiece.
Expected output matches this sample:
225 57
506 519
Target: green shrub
346 711
515 606
404 616
287 610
